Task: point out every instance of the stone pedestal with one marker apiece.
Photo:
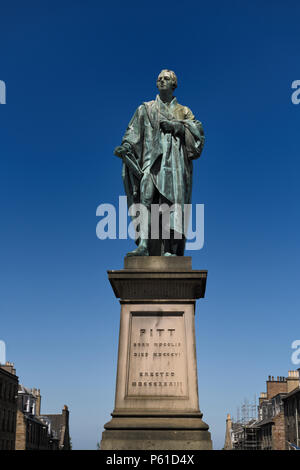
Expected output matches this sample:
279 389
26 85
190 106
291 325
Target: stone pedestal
156 403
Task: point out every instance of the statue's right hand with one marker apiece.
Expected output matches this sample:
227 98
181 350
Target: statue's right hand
120 151
167 127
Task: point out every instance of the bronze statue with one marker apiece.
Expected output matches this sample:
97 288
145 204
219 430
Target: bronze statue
162 139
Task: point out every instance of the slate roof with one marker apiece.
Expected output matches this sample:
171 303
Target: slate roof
58 426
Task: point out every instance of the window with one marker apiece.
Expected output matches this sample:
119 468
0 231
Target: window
8 421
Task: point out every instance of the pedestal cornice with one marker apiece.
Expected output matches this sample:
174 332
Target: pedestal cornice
156 277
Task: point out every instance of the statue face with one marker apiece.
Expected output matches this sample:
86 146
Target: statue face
164 82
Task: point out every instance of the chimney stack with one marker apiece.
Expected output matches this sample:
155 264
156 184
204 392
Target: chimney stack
65 413
9 367
37 393
292 380
276 386
263 397
228 440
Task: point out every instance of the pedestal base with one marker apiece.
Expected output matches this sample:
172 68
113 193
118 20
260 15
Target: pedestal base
156 440
156 433
156 403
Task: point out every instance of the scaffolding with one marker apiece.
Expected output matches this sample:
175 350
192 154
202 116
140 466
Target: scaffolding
244 430
247 411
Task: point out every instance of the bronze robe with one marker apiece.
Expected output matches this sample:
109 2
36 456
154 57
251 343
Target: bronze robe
167 157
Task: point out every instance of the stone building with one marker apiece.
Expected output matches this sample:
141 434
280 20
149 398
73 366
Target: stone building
59 428
277 423
291 406
40 432
32 432
8 406
271 425
272 417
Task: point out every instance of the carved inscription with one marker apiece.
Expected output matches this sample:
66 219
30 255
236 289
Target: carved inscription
157 356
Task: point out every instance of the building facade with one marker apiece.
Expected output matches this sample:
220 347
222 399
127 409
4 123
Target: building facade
59 428
291 406
271 425
40 432
31 432
277 424
8 406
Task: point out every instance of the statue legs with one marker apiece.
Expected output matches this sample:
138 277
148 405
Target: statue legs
171 246
147 192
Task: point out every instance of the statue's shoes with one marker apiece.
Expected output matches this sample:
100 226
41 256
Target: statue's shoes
139 251
168 254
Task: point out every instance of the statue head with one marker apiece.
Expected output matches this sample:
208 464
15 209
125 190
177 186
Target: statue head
166 80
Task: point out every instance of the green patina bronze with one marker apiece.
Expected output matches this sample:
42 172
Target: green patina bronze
162 139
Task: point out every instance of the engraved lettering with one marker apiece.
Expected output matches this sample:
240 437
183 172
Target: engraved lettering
157 342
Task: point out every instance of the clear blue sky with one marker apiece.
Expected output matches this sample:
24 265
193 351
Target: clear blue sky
75 72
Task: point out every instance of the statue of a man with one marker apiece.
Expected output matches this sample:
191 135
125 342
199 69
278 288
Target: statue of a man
162 139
